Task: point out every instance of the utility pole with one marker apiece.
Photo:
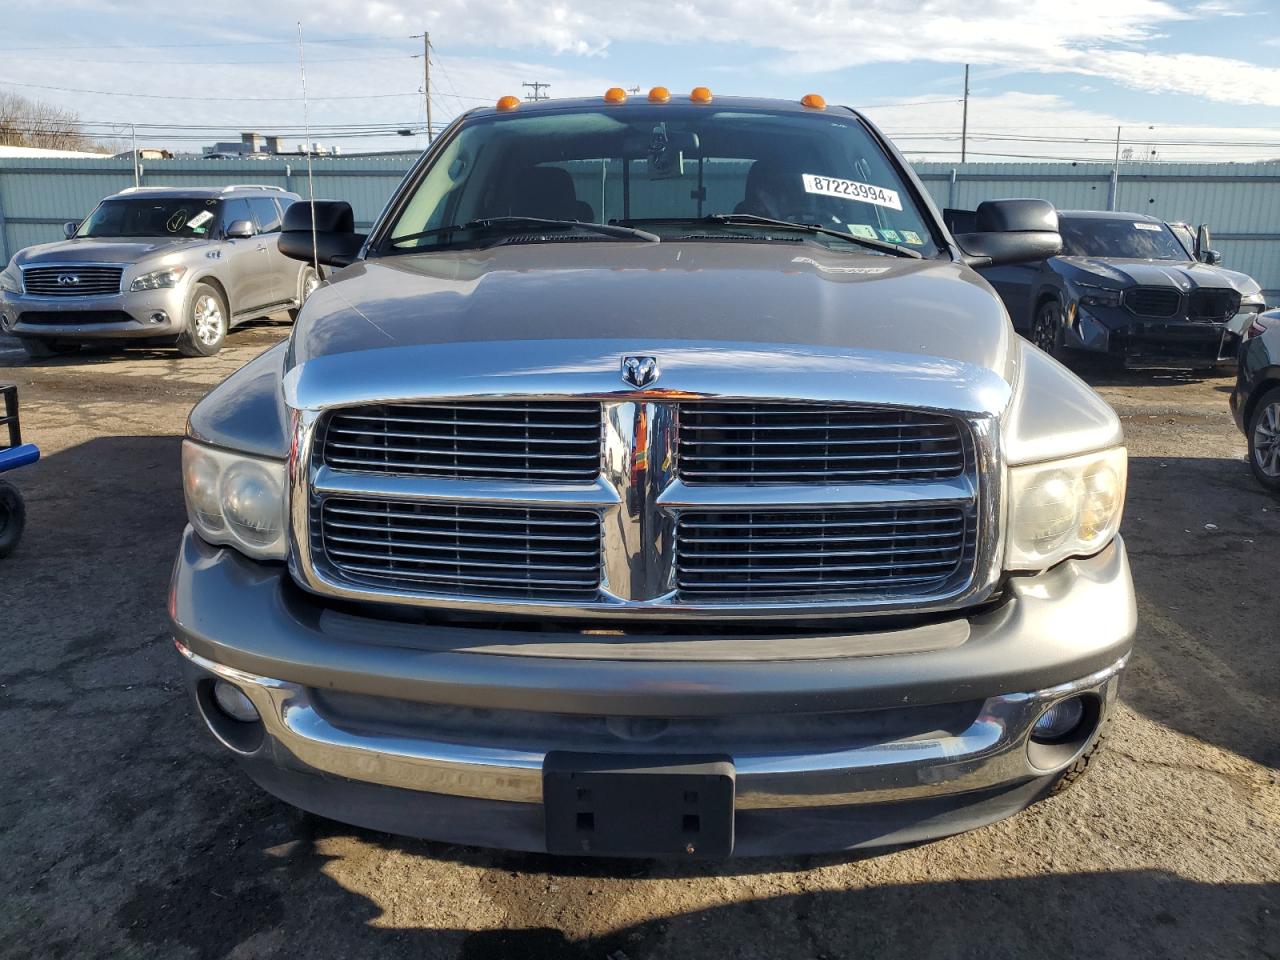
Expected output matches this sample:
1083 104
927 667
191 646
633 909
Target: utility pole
537 91
133 135
1112 194
426 79
964 120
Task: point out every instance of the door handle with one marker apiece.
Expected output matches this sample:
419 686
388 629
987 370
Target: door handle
262 246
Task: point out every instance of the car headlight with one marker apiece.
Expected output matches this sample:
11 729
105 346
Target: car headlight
236 500
1064 508
157 279
1094 296
10 282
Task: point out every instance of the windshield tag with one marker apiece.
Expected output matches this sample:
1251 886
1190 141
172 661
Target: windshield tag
1155 227
851 190
200 219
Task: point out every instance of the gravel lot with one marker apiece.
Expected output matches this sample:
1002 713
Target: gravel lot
125 833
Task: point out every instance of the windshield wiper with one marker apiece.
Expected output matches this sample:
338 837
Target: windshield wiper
752 220
522 224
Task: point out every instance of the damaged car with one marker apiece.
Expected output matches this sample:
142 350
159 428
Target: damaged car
1126 287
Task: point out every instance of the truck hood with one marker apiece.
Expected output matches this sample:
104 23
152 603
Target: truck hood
1188 276
638 295
100 250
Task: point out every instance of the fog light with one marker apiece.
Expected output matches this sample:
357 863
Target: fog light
1060 720
159 317
233 702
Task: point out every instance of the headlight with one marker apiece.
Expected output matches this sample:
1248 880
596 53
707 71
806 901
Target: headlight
1064 508
158 279
1094 296
236 500
9 281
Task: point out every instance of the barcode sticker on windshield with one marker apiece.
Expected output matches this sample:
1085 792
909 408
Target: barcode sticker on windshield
200 219
1154 227
851 190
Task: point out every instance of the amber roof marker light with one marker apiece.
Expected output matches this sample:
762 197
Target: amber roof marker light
615 95
700 95
814 101
508 102
659 95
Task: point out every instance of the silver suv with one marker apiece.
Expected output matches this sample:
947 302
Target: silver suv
159 264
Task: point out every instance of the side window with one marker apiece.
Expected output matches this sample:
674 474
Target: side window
233 210
266 213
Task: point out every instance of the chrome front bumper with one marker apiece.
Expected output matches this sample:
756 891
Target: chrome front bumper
991 752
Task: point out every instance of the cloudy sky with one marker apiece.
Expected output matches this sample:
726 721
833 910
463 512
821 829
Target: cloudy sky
1187 79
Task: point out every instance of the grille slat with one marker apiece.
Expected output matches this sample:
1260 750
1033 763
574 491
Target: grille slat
750 442
57 281
1213 305
534 441
737 556
463 549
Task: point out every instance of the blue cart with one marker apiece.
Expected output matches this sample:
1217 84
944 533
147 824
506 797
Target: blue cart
13 454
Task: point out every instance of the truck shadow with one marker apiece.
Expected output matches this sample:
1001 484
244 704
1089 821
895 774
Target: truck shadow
272 899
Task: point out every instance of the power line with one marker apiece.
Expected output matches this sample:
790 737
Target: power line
224 99
537 91
226 43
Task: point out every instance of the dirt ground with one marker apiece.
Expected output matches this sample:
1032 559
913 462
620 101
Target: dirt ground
125 833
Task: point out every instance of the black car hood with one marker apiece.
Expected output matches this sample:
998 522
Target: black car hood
1179 275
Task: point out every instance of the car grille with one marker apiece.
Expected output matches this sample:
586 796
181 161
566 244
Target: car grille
538 441
1214 305
829 554
71 281
756 443
73 317
460 549
1160 302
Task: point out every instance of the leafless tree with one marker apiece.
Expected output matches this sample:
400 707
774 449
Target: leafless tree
33 123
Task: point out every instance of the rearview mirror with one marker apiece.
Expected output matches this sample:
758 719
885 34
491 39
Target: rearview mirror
239 230
1011 231
335 242
69 228
1212 257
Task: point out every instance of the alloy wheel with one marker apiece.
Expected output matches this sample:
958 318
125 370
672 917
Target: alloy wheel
1045 333
1266 440
208 320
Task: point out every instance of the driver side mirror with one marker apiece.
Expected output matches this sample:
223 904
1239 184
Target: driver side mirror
1204 244
69 228
239 230
335 242
1011 231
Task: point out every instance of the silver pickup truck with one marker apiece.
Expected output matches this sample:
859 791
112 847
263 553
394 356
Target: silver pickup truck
156 265
657 478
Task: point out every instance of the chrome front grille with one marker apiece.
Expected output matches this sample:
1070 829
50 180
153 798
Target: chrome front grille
456 549
535 441
658 508
71 281
754 442
1158 302
829 554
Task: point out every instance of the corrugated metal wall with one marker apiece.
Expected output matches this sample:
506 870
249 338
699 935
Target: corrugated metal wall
1241 202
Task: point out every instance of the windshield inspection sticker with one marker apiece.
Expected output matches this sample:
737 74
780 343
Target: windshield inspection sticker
863 230
851 190
891 235
912 238
1155 227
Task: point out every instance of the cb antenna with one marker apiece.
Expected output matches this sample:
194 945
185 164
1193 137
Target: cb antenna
306 132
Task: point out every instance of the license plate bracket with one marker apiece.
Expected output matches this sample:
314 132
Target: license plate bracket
637 805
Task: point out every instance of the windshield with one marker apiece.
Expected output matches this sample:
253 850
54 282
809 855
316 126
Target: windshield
190 217
1119 239
665 168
